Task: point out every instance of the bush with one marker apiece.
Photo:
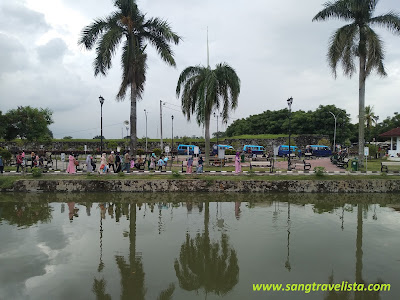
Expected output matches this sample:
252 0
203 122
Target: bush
373 150
5 154
121 174
112 145
324 142
176 174
157 151
319 171
230 152
36 172
140 152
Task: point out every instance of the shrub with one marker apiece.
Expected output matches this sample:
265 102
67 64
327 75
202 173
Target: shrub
112 145
324 142
373 150
176 174
230 152
121 174
319 171
5 154
157 151
36 172
140 152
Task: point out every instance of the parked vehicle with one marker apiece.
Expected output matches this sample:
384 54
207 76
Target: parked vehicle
254 149
215 148
319 150
284 150
183 149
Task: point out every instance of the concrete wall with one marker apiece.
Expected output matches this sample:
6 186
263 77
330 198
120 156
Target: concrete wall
214 186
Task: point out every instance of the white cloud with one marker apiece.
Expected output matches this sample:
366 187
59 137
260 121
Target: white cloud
275 48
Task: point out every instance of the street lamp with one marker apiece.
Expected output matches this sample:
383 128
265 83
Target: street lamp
145 112
289 102
334 133
217 129
172 143
101 99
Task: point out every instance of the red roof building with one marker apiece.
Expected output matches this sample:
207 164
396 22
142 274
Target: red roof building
394 149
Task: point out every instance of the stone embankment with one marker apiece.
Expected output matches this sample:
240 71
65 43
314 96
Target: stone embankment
211 186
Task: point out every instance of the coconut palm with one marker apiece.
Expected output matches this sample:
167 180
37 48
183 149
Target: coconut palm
370 118
358 39
205 90
129 26
205 264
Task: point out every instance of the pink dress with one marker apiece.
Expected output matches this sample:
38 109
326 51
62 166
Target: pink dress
238 167
71 166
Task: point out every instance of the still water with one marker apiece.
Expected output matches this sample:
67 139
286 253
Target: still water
196 246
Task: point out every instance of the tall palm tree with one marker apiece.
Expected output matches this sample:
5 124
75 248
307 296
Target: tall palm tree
370 120
205 90
131 27
358 39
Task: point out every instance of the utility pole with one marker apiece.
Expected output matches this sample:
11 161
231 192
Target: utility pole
145 112
161 141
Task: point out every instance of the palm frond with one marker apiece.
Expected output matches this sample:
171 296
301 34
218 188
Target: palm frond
390 21
335 10
375 53
342 48
90 33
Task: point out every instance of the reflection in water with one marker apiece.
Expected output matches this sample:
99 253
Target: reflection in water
208 260
202 264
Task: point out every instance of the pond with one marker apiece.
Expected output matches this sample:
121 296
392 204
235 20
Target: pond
197 246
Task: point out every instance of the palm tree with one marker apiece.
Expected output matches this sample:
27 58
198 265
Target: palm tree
205 264
370 120
358 39
128 23
205 90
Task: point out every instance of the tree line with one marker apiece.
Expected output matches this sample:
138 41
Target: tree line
320 121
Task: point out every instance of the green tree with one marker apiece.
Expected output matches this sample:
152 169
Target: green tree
130 24
68 137
204 90
370 120
358 39
28 123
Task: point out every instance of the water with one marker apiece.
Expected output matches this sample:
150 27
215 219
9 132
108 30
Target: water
186 246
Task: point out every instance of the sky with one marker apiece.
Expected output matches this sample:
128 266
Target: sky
275 48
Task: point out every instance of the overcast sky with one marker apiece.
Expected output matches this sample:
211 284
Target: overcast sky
274 47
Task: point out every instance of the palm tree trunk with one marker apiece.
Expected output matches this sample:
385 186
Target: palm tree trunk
359 252
133 119
361 109
207 139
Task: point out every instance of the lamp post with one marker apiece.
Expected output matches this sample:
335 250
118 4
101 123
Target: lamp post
161 140
217 130
145 112
289 102
101 99
334 132
172 143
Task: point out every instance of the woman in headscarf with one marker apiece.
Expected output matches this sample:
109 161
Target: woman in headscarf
189 165
89 164
152 161
103 163
238 167
71 169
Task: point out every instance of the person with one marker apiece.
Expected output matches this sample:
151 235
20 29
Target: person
41 161
73 212
103 164
1 165
20 160
132 165
111 160
71 165
118 162
127 160
93 163
166 162
200 165
33 156
238 167
89 167
189 165
160 163
152 162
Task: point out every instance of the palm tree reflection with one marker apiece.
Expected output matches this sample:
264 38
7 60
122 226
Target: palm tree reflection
204 264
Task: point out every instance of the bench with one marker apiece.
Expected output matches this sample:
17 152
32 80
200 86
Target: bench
262 164
308 155
385 164
344 163
305 165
